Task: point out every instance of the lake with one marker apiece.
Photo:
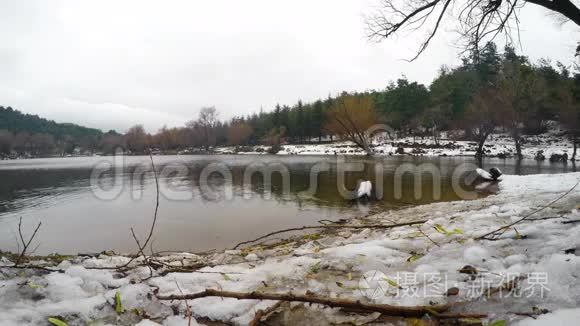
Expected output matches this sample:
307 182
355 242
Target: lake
89 204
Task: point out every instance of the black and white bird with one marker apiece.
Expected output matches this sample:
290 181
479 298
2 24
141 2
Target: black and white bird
363 190
494 174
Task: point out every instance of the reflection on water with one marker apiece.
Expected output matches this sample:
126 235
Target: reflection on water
59 193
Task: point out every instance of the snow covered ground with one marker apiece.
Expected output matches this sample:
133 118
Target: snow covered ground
502 145
533 268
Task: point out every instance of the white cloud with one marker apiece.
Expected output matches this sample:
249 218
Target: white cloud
112 64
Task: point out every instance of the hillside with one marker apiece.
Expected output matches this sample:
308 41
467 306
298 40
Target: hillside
16 122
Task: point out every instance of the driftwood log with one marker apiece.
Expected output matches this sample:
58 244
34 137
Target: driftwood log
384 309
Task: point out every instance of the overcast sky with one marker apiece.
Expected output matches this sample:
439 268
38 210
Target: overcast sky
113 64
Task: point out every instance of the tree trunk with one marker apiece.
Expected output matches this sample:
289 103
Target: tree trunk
467 133
480 144
518 143
365 145
574 152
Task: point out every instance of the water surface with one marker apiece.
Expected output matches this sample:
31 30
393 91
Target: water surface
59 193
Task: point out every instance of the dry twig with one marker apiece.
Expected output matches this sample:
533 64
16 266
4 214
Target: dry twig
263 313
141 251
497 233
427 236
328 226
25 244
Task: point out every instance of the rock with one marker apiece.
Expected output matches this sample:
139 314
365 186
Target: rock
400 150
468 269
540 156
452 291
559 158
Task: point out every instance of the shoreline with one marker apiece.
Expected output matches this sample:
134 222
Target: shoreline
331 264
500 145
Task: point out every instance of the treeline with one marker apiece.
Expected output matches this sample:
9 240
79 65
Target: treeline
30 135
489 90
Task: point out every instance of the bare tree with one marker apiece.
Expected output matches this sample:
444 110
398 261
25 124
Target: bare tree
350 117
136 139
22 142
110 142
522 91
477 21
570 117
42 143
483 115
239 133
6 141
207 122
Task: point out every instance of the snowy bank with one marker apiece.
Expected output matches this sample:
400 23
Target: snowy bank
532 269
498 145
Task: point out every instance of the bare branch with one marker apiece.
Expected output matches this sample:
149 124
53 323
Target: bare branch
25 244
415 311
263 313
477 21
426 43
141 248
331 226
496 233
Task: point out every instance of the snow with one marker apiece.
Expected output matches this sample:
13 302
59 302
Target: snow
564 317
332 265
498 144
475 255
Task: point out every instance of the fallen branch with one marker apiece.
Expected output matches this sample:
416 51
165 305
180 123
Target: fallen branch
388 320
183 269
544 218
508 286
571 221
414 311
263 313
188 313
335 226
460 315
497 233
44 268
534 313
